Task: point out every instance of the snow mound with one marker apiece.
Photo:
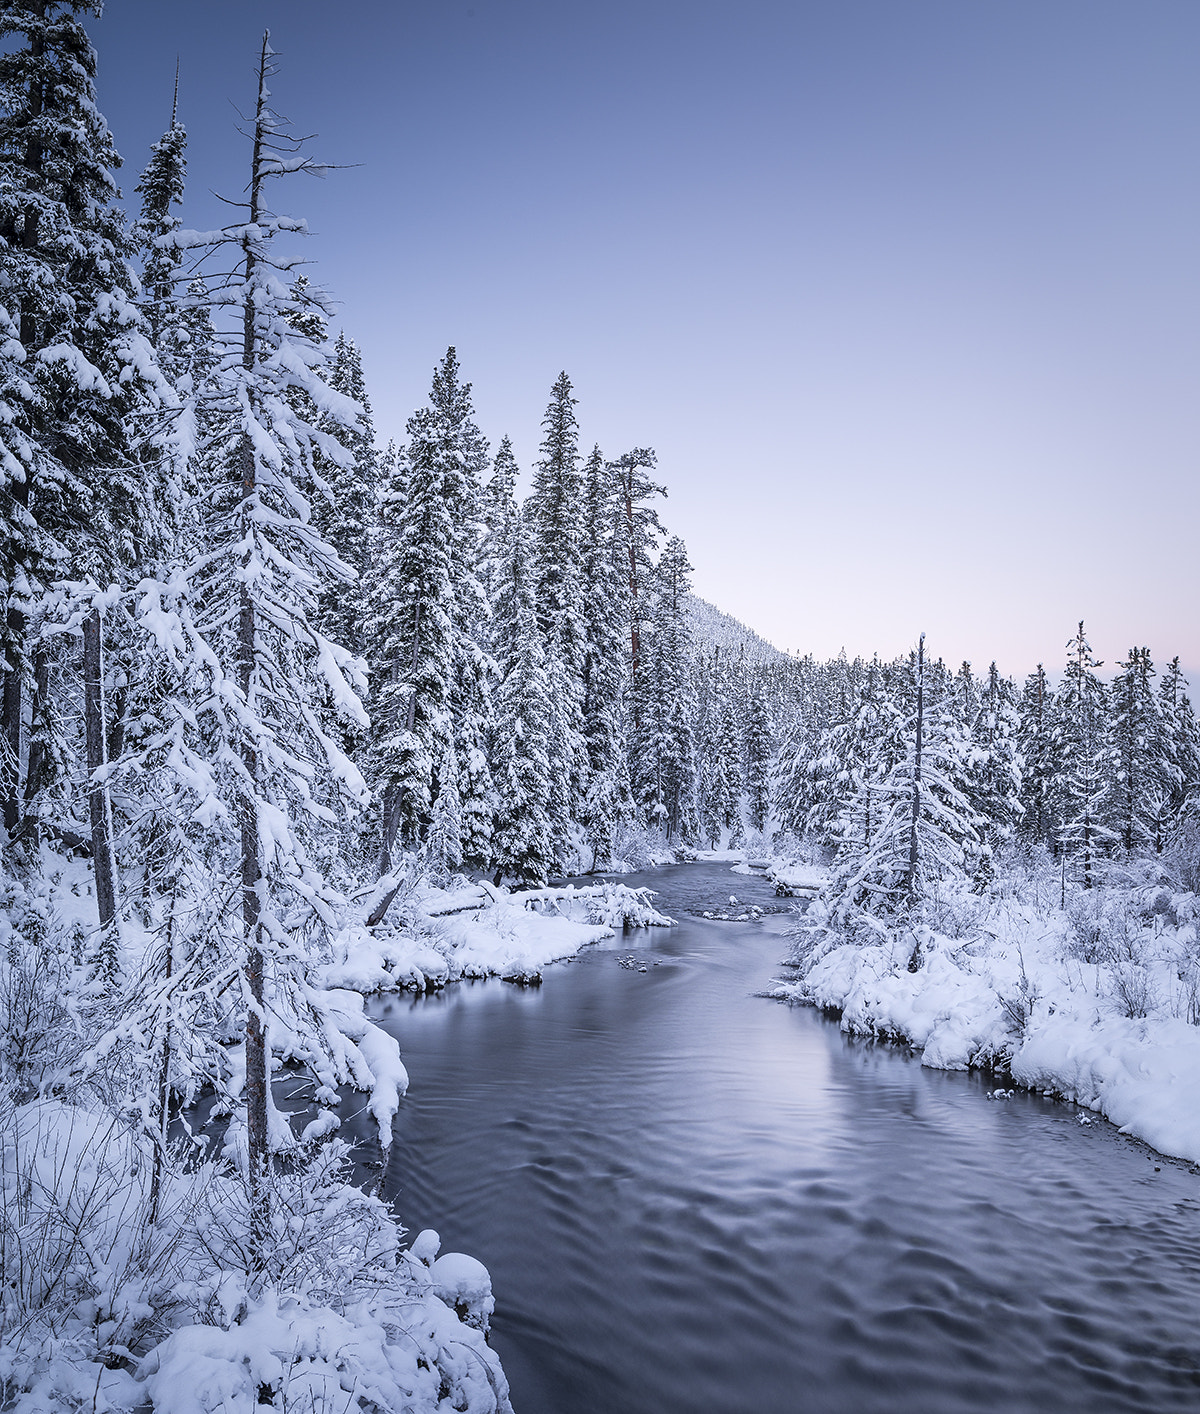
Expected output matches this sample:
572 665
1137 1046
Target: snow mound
1097 1003
477 930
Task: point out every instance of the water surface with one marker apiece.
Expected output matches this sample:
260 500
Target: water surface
693 1200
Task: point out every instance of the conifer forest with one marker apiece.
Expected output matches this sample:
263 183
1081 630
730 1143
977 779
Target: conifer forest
277 698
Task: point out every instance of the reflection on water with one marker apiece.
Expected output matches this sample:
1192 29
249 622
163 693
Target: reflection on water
693 1199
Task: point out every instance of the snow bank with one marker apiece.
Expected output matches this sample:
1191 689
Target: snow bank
403 1350
442 935
114 1300
1098 1003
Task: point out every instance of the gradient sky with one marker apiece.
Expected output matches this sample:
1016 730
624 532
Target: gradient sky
904 292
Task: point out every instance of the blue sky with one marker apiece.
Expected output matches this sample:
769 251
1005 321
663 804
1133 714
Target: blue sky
904 293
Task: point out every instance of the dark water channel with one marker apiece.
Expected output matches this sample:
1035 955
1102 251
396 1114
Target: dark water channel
693 1199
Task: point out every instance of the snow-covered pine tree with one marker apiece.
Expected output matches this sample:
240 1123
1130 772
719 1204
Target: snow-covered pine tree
554 513
758 752
1181 733
925 820
639 532
1083 756
994 768
161 187
1035 750
344 506
523 843
499 508
607 798
257 757
423 596
856 756
474 670
1142 775
663 769
87 395
727 764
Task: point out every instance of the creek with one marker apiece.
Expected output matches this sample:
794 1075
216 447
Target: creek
694 1199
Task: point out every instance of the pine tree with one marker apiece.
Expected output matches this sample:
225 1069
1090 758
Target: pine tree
499 508
1083 756
1035 748
1181 736
607 797
638 535
161 187
994 772
663 765
554 514
523 842
759 749
83 391
925 826
258 757
423 605
1142 771
344 505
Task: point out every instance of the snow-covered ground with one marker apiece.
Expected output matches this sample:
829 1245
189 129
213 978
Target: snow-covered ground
127 1308
128 1279
436 936
1097 1002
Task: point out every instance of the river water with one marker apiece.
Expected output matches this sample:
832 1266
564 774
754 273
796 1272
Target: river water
693 1200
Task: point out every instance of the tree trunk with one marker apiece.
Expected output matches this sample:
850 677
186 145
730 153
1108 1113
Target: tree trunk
35 770
99 802
164 1077
16 624
10 725
259 1156
391 792
256 1030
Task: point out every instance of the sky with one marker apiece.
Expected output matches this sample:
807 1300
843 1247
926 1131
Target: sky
904 293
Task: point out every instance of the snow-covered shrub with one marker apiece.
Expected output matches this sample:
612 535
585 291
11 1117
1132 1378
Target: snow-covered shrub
85 1271
1188 974
953 912
36 1034
103 1307
610 905
635 847
802 849
1019 1003
1181 857
1090 936
617 906
1132 988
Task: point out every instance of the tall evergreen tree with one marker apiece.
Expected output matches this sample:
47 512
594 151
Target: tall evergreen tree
523 843
83 390
344 503
759 746
1083 757
243 614
1181 736
1141 762
1035 746
639 533
607 796
554 513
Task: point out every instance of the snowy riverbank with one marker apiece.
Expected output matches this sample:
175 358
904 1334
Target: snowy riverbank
1097 1002
131 1283
435 936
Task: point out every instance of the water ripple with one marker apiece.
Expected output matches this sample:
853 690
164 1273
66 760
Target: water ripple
693 1200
